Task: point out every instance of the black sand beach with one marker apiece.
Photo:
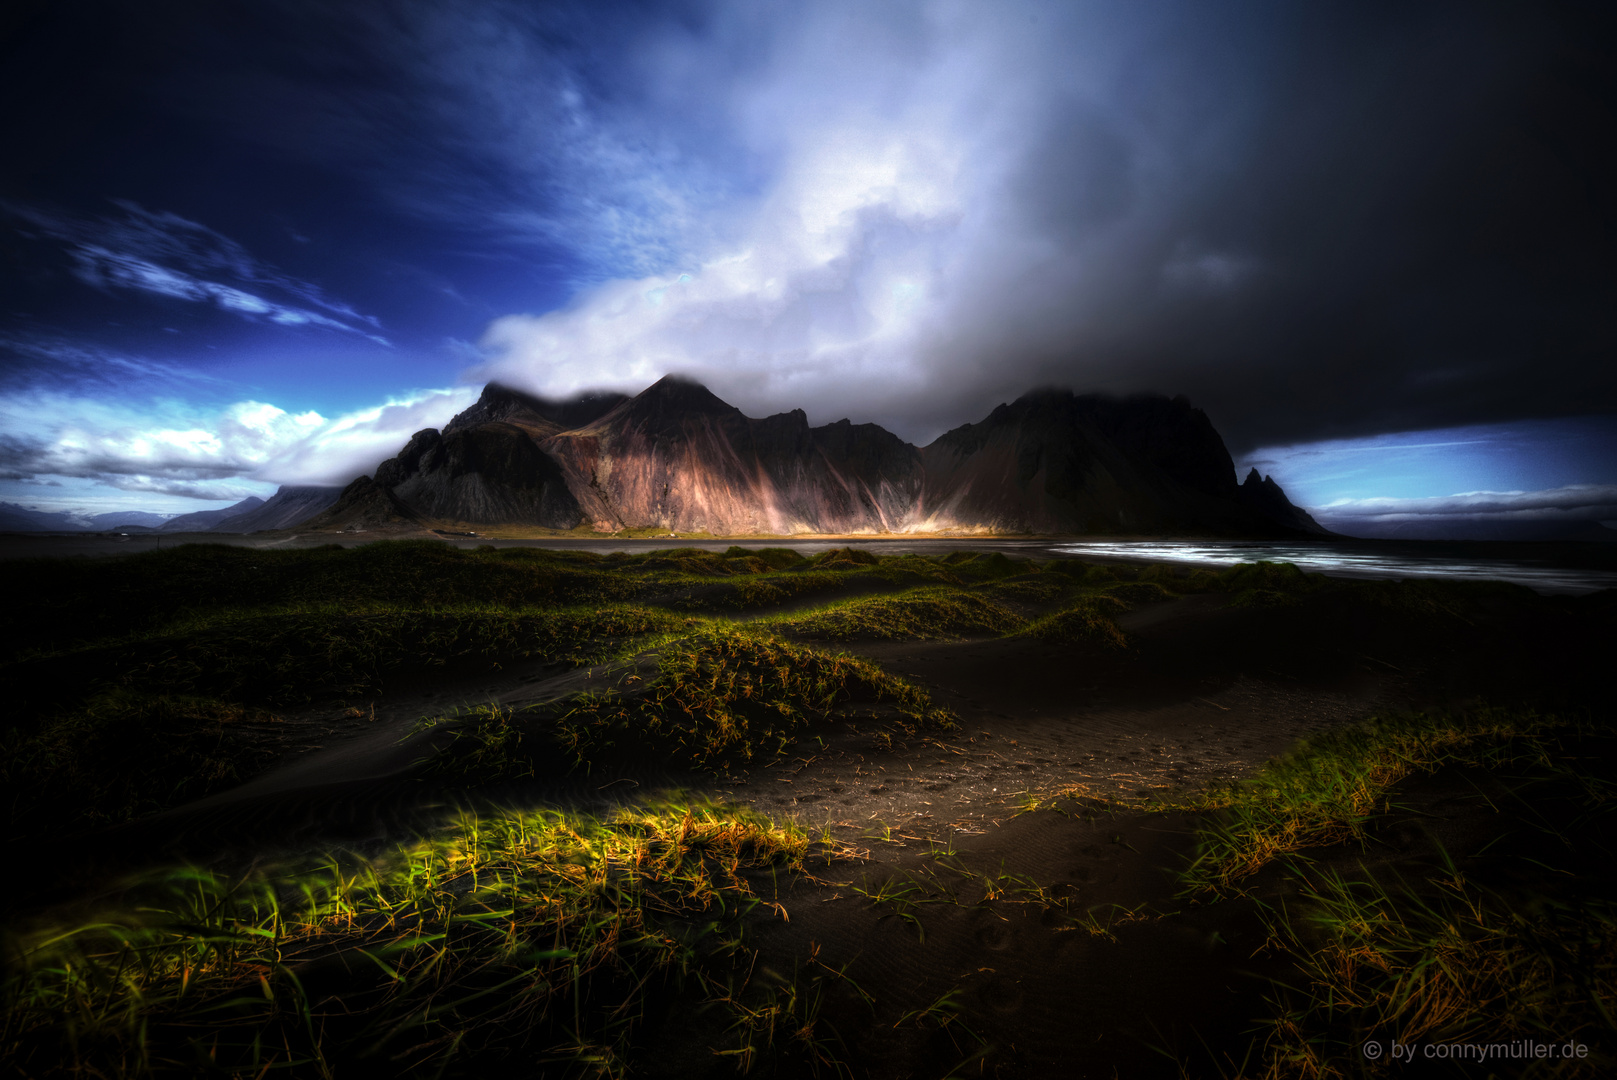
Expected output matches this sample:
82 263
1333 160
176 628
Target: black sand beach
1024 866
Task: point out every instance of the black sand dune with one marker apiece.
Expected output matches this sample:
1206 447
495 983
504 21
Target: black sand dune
1084 959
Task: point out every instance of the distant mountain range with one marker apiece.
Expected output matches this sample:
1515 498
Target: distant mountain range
289 506
206 520
14 518
286 508
676 457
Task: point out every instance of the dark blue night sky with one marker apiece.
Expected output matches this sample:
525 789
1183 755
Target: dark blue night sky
244 244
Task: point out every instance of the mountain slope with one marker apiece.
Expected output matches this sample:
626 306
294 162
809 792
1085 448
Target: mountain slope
283 510
207 520
15 518
486 466
1053 461
1263 495
677 457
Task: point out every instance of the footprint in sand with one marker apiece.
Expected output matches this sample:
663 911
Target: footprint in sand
994 935
1002 995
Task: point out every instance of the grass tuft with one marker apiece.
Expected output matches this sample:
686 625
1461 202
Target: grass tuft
932 612
122 754
726 696
1089 620
1330 787
1441 963
534 937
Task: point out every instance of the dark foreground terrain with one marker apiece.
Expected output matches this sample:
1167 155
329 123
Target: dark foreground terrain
413 810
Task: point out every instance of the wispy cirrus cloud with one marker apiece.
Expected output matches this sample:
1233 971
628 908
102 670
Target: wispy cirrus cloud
50 358
164 254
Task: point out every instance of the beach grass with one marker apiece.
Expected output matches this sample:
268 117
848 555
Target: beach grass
534 935
552 940
728 696
1426 953
1447 965
121 754
1330 788
915 614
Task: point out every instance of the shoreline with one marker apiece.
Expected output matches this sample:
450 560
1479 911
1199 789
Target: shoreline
1546 566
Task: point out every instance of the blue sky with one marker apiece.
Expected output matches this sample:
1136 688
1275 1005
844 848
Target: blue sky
1560 468
250 245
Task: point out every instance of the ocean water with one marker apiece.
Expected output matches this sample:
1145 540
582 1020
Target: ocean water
1546 568
1545 573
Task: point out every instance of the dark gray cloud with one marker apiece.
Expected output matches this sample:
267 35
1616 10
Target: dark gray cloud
1315 220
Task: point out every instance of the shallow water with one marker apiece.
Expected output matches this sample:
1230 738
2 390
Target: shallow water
1564 568
1543 574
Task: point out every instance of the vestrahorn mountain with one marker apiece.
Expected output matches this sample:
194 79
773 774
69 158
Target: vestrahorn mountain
675 457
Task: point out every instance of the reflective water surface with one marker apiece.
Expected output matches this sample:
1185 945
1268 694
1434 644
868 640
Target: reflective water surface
1545 573
1547 568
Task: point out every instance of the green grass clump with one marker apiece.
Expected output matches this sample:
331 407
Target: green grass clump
295 657
936 612
1039 589
1445 961
1327 790
1268 584
1089 620
842 559
773 558
121 754
532 939
741 593
725 697
978 566
1139 592
1441 961
483 745
73 602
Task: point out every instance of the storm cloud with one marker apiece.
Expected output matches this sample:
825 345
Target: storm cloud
1313 220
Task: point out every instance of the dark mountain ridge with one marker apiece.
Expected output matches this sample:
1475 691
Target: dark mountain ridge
1055 461
678 457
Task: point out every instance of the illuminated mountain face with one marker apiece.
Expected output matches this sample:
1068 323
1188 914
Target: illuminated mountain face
677 457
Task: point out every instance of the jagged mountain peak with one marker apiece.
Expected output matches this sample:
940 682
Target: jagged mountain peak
500 402
1266 497
683 393
665 407
678 457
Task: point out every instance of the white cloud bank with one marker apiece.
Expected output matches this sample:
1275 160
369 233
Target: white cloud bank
944 185
170 449
1571 503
